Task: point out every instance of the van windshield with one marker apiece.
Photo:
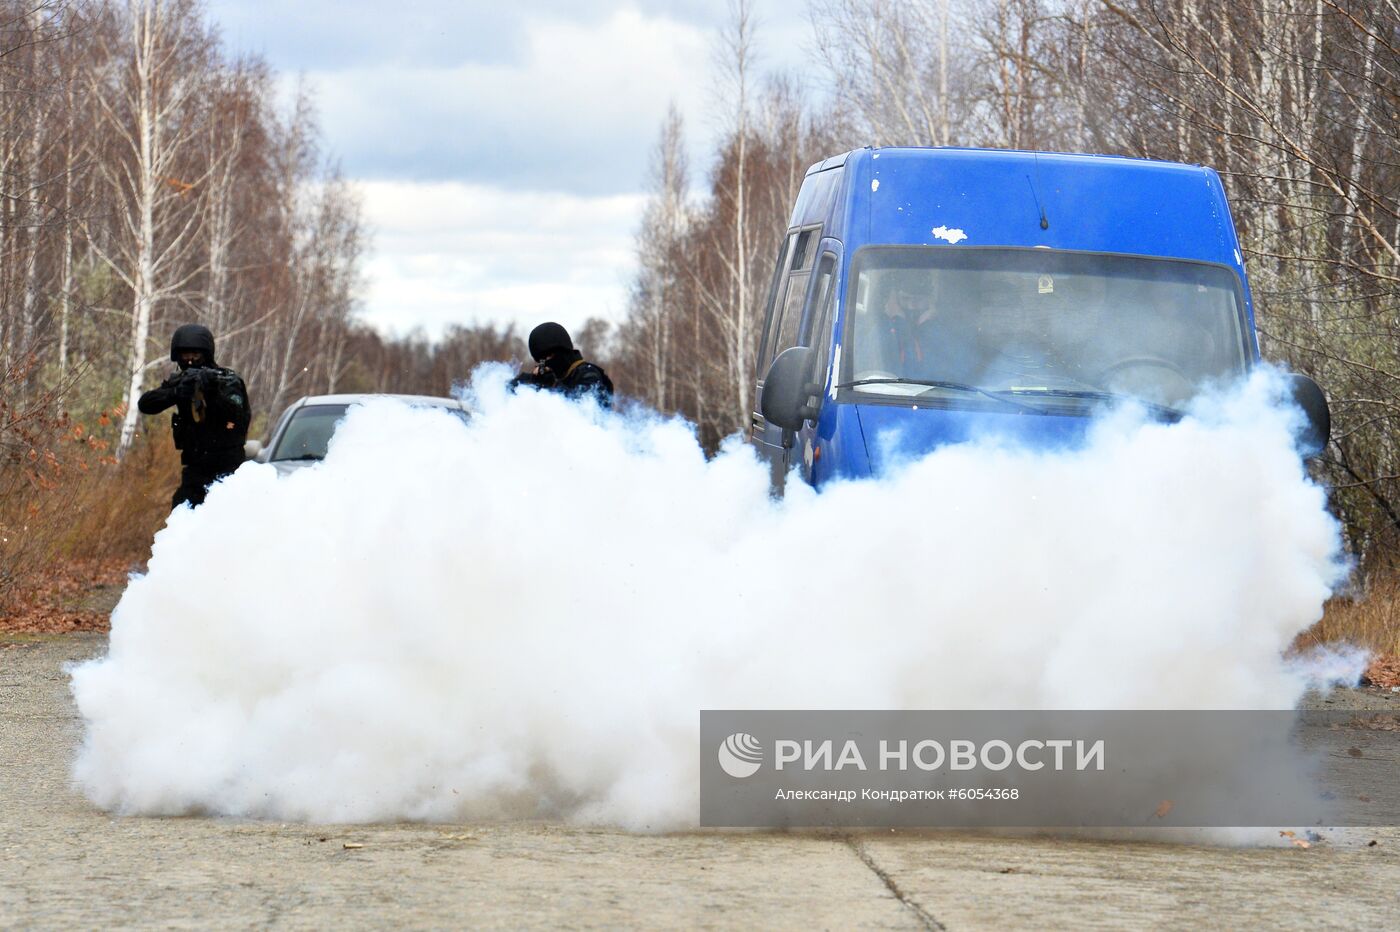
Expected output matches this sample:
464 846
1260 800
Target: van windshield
1070 328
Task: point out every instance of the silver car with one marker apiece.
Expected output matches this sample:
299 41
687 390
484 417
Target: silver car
304 430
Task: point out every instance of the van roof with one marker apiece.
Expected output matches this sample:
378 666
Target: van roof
996 197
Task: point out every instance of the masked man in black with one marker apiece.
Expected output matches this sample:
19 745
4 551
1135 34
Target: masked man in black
561 368
211 417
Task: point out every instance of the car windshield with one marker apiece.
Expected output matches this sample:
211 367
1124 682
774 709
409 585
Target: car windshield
308 434
1068 328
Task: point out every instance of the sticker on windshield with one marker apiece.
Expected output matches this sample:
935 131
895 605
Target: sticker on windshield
1046 285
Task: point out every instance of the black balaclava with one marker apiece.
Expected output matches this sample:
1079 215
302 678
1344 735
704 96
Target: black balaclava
548 338
192 337
551 346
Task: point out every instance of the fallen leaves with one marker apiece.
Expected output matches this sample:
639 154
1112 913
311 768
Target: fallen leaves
70 596
1383 671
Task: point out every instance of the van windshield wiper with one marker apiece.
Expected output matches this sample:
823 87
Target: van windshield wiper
316 457
950 386
1095 395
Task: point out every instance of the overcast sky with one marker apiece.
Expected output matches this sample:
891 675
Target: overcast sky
501 148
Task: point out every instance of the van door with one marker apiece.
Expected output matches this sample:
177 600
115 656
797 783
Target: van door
811 306
785 299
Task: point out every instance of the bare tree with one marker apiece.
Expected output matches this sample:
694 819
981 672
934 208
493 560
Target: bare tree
148 101
1283 97
733 306
145 175
655 291
28 214
890 62
234 102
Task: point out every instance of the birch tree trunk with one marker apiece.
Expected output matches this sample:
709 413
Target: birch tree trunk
1360 131
65 289
144 30
155 260
738 47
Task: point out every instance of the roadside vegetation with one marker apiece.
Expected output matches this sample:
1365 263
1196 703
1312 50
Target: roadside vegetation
1368 618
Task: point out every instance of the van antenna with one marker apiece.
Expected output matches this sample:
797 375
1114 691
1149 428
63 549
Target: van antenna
1044 221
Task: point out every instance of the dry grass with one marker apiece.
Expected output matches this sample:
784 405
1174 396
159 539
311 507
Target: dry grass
1370 620
112 514
76 522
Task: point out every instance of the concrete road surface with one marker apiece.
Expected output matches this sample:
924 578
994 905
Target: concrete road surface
64 863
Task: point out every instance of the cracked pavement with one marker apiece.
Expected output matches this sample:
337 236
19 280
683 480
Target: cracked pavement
64 863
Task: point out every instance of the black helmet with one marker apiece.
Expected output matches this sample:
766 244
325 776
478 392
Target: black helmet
192 337
548 338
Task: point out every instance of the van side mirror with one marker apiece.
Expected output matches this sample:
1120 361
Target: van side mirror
787 387
1317 430
252 449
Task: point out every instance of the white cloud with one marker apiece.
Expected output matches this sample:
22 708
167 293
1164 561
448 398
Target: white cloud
475 107
451 252
333 33
578 111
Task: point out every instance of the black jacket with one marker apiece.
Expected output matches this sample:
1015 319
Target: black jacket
211 417
569 373
580 377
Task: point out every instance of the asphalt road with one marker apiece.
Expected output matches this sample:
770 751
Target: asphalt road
65 863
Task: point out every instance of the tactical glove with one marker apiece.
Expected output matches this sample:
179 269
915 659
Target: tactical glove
185 385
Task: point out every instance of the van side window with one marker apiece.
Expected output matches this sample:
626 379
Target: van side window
823 299
779 274
787 312
792 313
802 251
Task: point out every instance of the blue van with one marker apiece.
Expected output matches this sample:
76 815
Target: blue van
928 296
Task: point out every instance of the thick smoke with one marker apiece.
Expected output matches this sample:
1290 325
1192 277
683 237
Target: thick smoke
524 615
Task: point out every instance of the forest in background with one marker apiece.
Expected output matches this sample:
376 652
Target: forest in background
149 178
1295 102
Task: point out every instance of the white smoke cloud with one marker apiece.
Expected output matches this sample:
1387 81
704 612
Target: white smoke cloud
524 615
